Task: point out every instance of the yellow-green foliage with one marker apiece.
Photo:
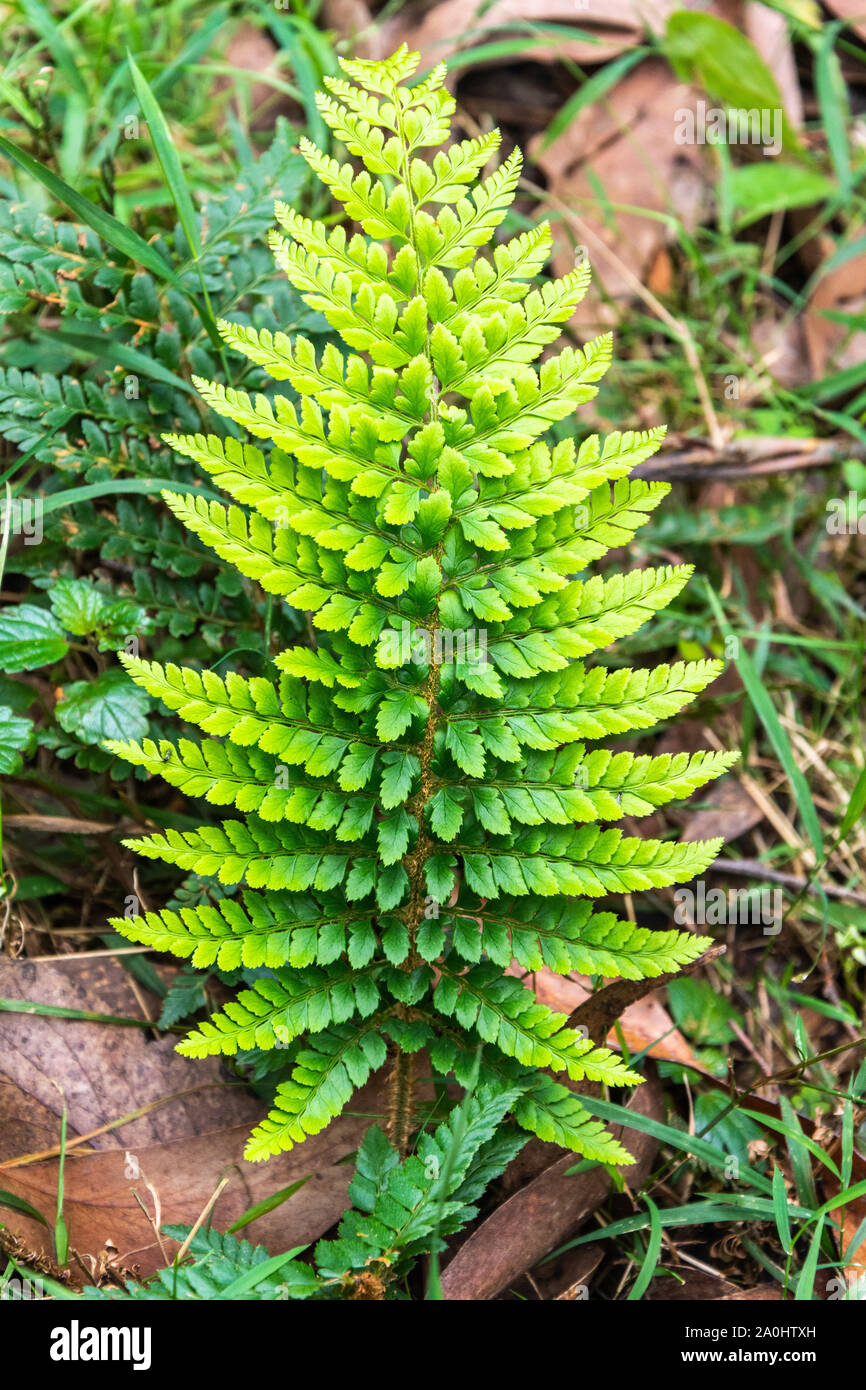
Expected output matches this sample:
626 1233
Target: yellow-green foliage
414 809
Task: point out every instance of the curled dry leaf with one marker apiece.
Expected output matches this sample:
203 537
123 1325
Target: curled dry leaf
645 1022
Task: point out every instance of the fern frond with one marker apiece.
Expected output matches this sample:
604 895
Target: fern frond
507 1015
281 1007
587 862
561 707
364 262
336 382
552 1112
598 786
280 929
417 814
323 1080
226 775
458 232
397 1206
217 1262
497 285
565 936
583 618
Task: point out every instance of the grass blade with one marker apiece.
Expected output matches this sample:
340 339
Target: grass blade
593 89
100 346
262 1208
123 239
795 1142
169 163
651 1259
687 1143
766 712
25 1006
44 24
780 1209
61 1230
16 1203
691 1214
71 495
805 1290
833 102
167 155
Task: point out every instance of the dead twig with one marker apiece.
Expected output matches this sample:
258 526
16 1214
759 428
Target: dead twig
599 1012
698 460
753 868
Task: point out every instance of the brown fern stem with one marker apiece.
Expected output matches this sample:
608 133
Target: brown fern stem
400 1108
400 1103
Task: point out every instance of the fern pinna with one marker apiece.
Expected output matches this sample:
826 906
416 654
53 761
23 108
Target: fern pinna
418 806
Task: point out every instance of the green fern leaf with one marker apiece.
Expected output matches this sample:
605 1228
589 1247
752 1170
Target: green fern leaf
415 810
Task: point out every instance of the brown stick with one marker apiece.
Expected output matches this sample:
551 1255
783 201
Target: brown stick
753 868
599 1012
698 461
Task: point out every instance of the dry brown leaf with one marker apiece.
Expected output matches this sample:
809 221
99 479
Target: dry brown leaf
181 1149
626 144
99 1203
728 811
105 1071
446 28
645 1023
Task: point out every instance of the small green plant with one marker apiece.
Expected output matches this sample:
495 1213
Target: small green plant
112 374
418 806
401 1209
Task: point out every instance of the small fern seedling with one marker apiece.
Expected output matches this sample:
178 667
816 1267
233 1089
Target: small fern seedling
418 804
401 1210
